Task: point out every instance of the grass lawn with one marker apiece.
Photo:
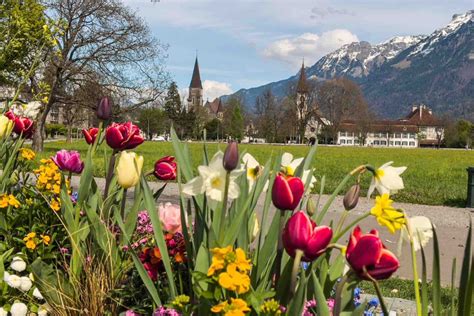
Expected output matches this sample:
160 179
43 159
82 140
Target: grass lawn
434 177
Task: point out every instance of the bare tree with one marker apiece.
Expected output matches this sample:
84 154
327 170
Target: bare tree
340 99
268 113
99 39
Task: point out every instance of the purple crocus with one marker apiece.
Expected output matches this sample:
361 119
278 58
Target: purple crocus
68 161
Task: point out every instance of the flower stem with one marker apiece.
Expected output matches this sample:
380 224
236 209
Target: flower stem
348 227
110 174
377 290
224 206
415 270
295 270
338 298
122 207
279 248
342 219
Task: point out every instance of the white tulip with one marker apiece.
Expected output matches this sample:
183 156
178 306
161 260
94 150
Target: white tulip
37 294
25 284
18 264
387 180
19 309
13 281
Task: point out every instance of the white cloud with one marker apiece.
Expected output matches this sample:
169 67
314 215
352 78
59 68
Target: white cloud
213 89
309 46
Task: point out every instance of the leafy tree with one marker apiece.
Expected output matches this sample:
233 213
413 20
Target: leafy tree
234 118
459 134
153 121
214 129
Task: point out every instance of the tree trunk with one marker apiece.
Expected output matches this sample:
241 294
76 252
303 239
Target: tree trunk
69 134
38 136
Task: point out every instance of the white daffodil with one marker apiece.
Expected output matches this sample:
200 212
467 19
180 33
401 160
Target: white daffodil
19 309
387 179
42 311
25 284
6 275
422 231
305 176
18 264
13 281
289 165
256 227
37 294
211 181
3 312
254 169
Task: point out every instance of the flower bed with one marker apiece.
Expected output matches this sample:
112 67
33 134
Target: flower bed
85 250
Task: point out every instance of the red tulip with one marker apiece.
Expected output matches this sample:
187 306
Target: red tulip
90 134
22 125
287 192
121 136
368 251
165 168
301 233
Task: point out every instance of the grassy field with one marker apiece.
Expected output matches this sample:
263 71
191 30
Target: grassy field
434 177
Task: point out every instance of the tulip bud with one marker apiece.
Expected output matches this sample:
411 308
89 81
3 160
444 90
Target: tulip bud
104 109
352 197
310 207
231 156
165 168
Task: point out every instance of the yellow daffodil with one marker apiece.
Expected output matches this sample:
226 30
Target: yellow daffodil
212 181
387 215
237 307
129 169
387 179
27 154
289 165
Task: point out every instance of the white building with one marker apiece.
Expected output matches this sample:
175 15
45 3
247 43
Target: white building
418 129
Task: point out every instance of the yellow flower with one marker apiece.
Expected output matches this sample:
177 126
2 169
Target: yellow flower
129 169
55 205
218 259
30 241
237 307
8 200
234 280
242 263
180 301
6 126
30 235
386 214
27 154
270 307
46 239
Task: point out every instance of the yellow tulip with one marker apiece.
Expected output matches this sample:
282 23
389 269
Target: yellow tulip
6 126
128 169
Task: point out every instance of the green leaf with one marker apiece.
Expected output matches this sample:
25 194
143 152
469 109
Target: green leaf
297 303
322 309
202 264
453 287
463 282
436 275
424 285
158 233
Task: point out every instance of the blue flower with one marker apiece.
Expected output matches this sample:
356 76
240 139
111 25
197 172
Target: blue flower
373 302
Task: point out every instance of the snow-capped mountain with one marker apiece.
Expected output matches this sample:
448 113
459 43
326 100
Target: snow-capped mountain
360 58
437 70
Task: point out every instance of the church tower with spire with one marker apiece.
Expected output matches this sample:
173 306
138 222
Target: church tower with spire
302 94
195 89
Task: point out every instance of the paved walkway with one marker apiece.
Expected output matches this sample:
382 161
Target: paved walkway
451 223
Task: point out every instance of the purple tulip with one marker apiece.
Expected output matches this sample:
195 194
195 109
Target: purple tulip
68 161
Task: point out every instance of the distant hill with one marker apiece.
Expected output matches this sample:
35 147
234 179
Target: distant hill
437 70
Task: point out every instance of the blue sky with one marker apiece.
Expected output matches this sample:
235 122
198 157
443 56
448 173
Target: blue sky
243 44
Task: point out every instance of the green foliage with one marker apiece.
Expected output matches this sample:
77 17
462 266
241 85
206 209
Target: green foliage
23 30
55 129
459 134
153 121
214 129
234 119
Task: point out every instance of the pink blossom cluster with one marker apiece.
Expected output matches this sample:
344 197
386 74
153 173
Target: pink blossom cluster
163 311
311 305
144 225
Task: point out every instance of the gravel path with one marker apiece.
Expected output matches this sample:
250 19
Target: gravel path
451 223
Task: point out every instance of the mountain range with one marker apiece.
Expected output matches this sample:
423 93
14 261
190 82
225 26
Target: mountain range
435 69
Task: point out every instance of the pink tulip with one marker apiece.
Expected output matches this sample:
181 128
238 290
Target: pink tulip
170 217
165 168
287 192
367 251
68 161
301 233
121 136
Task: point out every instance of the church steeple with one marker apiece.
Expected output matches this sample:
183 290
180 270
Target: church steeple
302 86
196 78
195 88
